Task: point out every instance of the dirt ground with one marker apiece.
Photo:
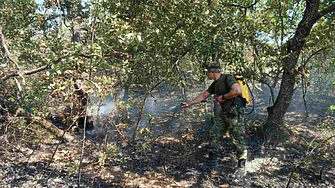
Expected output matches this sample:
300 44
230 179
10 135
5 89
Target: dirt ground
176 154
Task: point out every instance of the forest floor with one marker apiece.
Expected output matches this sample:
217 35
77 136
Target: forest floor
172 155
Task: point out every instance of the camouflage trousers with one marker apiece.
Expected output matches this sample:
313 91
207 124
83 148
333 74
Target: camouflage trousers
236 129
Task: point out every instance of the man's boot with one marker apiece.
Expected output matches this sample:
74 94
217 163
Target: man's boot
241 163
240 171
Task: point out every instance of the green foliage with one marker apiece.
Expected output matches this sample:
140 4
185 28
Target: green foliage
321 157
141 41
110 152
320 153
296 176
73 169
16 16
331 109
139 44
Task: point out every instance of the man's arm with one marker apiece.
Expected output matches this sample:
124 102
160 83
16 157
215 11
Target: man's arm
235 91
199 98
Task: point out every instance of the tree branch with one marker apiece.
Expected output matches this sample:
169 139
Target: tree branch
29 72
330 9
52 17
8 55
314 53
21 94
24 73
170 72
4 46
240 6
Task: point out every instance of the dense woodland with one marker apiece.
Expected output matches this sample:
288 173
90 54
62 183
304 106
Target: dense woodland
60 58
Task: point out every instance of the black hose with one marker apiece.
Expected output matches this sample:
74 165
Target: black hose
241 98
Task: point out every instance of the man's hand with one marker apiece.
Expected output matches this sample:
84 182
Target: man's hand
220 99
185 105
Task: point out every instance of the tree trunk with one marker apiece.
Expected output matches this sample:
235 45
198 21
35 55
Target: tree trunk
291 54
278 111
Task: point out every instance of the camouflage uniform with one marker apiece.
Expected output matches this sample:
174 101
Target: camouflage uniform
231 118
235 127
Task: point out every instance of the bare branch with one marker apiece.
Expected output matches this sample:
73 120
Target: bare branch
45 67
8 55
250 6
4 46
24 73
330 9
240 6
52 17
314 53
21 94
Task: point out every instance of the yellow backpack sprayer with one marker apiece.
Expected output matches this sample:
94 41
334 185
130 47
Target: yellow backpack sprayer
245 89
246 92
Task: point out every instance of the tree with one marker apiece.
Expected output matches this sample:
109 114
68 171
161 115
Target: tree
314 11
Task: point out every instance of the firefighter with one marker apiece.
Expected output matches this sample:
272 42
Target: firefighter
227 91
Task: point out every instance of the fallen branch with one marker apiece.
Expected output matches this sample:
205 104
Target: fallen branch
61 140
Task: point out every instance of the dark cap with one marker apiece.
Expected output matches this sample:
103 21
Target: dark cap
213 69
